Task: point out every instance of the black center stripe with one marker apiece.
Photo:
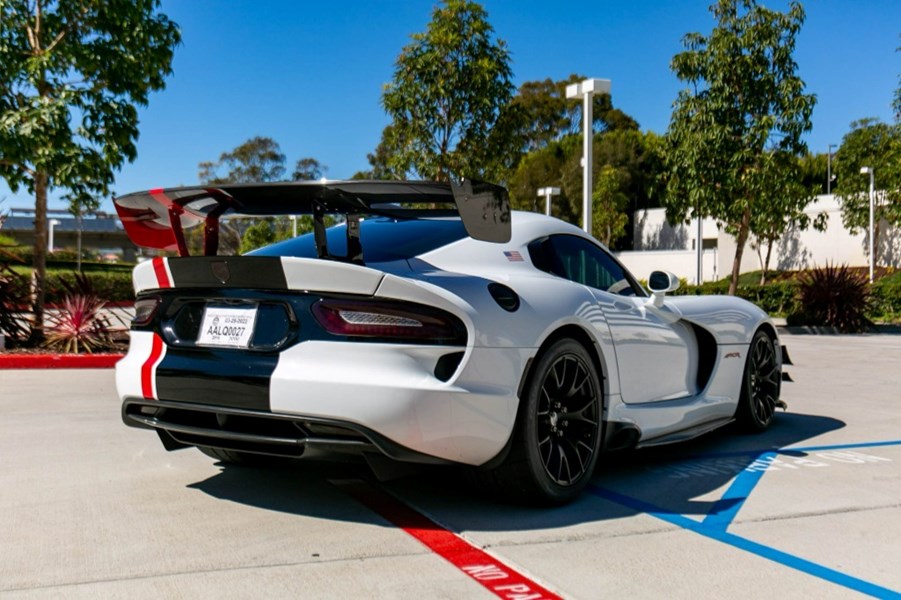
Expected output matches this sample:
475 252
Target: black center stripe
214 376
255 272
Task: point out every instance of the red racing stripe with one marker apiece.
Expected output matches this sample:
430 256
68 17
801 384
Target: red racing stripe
156 352
498 578
162 277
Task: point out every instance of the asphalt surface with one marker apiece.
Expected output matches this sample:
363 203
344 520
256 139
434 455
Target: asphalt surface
811 508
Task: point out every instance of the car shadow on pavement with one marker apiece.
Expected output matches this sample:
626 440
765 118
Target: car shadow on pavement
677 479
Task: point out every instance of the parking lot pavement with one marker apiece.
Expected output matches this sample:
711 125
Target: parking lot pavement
810 508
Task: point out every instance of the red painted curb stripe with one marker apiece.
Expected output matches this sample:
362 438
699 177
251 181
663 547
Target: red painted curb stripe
495 576
156 351
59 361
159 267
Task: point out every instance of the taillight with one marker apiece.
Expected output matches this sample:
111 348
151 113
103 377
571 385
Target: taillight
390 321
145 309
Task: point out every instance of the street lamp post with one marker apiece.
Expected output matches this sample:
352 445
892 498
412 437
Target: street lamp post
52 223
586 90
869 171
546 193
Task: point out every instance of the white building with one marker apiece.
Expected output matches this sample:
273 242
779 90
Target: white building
659 245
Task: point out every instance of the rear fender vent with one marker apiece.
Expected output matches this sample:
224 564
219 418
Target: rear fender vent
505 297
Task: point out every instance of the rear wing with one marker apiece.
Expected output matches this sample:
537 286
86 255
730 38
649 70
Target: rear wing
158 218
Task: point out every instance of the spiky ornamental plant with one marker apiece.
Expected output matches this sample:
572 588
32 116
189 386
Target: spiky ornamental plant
79 325
836 296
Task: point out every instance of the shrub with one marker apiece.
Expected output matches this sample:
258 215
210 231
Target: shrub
834 296
776 298
111 286
14 296
886 298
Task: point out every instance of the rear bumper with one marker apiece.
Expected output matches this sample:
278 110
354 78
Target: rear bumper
386 398
182 425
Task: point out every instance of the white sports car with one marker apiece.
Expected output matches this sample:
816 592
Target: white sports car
433 325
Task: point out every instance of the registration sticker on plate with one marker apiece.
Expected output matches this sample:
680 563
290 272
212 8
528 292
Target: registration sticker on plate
230 327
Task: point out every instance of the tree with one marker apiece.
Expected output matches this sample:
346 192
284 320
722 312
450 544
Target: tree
541 113
449 87
308 169
744 104
782 205
896 103
71 76
870 143
257 159
638 159
608 217
541 168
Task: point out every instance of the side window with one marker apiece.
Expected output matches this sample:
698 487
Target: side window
579 260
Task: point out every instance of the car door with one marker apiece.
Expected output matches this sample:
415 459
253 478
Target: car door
655 350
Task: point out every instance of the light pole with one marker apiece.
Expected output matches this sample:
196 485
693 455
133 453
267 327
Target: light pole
586 90
869 171
829 148
52 223
547 192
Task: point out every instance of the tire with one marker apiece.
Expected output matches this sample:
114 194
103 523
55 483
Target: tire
760 385
557 437
245 459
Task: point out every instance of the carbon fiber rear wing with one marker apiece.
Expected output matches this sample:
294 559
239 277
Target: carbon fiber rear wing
158 218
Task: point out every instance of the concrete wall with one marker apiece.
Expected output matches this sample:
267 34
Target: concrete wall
795 250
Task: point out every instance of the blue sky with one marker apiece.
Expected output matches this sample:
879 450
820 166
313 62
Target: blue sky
310 74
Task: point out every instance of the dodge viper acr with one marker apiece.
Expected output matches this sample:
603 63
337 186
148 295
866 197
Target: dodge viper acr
430 325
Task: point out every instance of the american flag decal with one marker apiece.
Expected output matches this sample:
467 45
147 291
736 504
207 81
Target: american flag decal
513 256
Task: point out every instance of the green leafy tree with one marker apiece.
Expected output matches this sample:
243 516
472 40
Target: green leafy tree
72 74
813 170
782 205
896 103
638 159
449 87
870 143
744 104
609 218
379 167
258 159
540 113
308 169
542 168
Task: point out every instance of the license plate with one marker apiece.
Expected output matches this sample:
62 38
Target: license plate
227 327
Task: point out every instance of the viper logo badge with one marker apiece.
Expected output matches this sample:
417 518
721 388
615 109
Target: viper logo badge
220 271
733 355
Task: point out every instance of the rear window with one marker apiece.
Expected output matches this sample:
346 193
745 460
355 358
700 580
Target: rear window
383 240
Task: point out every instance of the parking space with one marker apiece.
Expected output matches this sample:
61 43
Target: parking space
812 507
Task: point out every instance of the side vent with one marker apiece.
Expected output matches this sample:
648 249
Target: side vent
504 296
447 366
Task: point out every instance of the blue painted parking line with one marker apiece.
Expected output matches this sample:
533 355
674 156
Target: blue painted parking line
714 532
726 509
789 450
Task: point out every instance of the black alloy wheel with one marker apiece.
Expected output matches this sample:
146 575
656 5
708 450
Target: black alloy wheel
567 420
557 437
761 384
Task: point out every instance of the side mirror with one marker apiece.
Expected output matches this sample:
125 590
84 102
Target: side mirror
661 282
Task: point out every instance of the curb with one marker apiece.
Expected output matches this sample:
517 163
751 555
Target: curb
59 361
